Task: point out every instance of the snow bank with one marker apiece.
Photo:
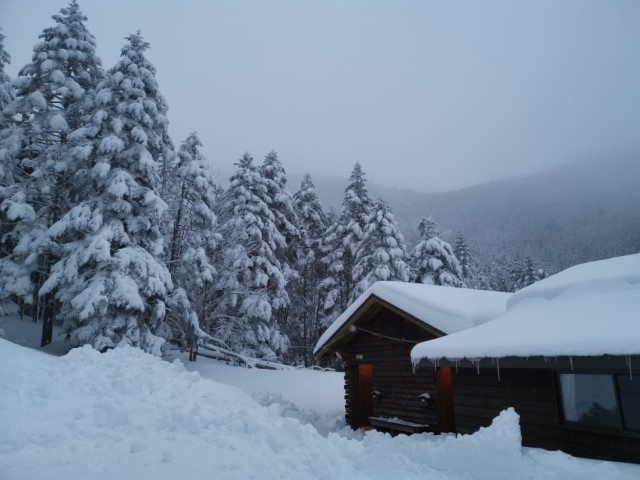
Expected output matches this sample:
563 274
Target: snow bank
126 414
587 310
447 309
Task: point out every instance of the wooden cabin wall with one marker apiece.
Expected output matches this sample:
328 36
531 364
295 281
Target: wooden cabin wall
393 374
480 397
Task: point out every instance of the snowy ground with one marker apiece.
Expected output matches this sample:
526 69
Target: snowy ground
126 415
311 396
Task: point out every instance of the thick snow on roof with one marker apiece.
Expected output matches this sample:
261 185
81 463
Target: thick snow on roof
447 309
587 310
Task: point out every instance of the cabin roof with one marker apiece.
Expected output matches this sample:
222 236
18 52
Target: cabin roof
591 309
443 309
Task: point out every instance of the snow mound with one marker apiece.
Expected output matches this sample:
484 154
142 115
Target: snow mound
126 414
587 310
613 273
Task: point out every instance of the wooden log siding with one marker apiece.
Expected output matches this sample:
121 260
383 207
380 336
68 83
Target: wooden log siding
393 374
479 397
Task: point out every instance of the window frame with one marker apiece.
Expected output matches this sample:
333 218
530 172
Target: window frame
576 425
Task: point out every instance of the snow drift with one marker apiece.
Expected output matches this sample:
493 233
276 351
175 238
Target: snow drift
126 414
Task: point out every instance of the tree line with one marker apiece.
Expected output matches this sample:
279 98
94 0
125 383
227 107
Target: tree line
110 231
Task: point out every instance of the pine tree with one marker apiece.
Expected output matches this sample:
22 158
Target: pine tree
280 202
524 274
8 147
306 314
193 242
6 90
463 254
110 281
251 285
471 274
7 172
340 243
53 99
433 261
381 252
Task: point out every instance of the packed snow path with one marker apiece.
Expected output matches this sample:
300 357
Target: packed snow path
125 415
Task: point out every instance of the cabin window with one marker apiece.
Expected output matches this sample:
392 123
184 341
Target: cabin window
600 401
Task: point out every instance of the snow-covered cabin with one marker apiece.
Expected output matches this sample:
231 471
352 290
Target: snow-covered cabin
374 337
565 355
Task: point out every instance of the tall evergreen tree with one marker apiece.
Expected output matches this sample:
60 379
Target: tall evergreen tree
307 315
251 283
52 101
280 202
193 242
524 274
380 254
7 173
433 261
6 90
463 254
8 149
110 281
471 274
340 243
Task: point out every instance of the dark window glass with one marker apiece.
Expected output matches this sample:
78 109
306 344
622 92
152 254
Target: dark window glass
629 389
589 400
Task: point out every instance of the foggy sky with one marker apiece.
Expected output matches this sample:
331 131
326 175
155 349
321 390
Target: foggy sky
428 95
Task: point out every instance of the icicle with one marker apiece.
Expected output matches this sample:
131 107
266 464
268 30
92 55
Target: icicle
629 365
478 366
498 367
571 361
457 363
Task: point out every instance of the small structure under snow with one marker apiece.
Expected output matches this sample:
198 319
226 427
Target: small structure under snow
374 337
565 354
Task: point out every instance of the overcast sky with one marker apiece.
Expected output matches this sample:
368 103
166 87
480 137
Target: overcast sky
428 95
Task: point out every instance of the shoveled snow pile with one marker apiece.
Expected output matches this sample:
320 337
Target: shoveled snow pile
125 414
590 309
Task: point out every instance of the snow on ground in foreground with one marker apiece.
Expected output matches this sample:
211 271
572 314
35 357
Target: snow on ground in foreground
126 415
314 397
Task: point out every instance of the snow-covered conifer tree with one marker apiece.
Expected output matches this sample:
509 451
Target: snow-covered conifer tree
471 274
193 241
380 254
7 156
306 315
251 283
6 90
53 99
110 281
463 254
525 274
433 261
280 201
340 243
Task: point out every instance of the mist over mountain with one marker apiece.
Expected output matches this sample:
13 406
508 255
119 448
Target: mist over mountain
582 211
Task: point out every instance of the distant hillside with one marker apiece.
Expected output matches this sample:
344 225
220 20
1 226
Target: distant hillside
583 211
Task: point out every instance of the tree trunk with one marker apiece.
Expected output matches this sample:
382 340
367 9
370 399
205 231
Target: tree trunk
47 321
175 248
